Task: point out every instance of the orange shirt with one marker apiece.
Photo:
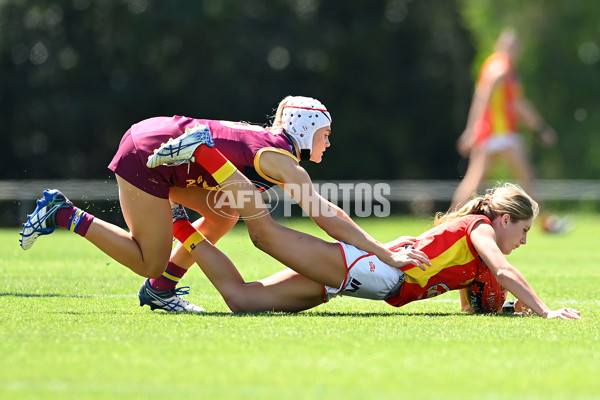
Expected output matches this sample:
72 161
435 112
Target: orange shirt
454 261
500 116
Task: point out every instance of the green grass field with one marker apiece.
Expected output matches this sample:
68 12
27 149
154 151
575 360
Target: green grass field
72 328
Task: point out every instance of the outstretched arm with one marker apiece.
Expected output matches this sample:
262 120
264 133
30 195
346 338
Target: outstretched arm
483 239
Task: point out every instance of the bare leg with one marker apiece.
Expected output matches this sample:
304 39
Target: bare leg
312 257
516 160
479 164
283 291
292 291
212 225
145 250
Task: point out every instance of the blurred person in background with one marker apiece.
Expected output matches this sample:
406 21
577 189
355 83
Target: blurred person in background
491 135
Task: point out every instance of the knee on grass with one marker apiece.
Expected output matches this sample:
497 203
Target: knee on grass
238 302
245 297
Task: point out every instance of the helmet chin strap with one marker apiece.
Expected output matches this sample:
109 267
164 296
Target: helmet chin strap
304 154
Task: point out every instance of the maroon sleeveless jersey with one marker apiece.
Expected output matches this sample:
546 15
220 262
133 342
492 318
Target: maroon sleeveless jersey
239 142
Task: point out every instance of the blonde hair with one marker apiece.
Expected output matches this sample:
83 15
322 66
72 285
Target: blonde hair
503 199
276 119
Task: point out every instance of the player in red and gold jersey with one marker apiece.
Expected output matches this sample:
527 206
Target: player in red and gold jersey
491 134
447 257
454 261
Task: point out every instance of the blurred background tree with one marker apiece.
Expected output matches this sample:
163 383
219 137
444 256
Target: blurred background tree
397 76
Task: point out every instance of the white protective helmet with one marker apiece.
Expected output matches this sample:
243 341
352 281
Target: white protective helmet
301 117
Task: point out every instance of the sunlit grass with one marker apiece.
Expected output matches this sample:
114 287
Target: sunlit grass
72 327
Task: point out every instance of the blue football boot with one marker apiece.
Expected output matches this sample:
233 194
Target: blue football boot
42 221
181 150
168 300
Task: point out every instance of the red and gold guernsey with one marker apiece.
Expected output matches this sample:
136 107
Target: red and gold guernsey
241 143
500 116
454 261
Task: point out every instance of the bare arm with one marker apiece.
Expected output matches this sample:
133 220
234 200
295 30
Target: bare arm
483 239
534 120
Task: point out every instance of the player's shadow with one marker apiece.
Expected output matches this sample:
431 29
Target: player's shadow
83 296
330 314
327 314
271 314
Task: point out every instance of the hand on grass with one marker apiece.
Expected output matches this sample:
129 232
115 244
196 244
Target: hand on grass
564 313
521 309
466 308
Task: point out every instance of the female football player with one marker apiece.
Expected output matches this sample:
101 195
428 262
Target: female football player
201 154
491 135
460 245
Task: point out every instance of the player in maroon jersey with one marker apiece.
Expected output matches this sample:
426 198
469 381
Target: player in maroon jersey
268 156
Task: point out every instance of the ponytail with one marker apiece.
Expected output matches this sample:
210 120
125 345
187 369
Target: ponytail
504 199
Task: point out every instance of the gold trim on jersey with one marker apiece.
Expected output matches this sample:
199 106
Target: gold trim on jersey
275 150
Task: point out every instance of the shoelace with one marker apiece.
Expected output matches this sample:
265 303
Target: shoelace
182 291
36 221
